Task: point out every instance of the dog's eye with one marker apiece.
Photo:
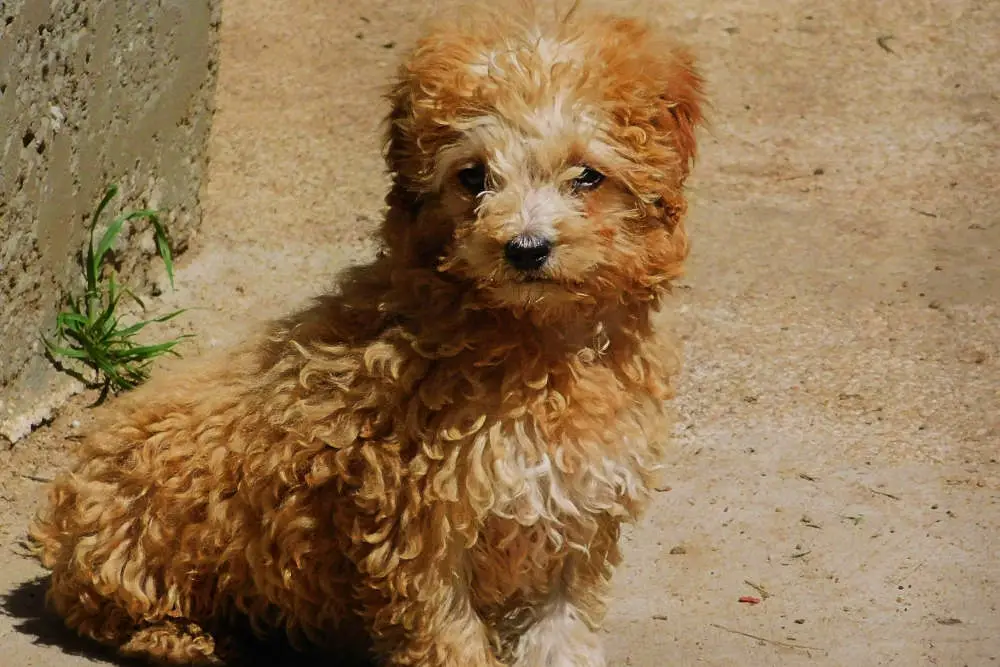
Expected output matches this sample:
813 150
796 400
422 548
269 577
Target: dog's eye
473 178
588 179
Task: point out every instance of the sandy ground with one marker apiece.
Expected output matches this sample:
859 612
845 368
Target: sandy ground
839 418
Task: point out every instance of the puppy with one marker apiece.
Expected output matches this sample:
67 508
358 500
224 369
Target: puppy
431 464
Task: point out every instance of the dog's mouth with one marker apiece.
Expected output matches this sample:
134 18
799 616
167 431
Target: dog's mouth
528 277
535 290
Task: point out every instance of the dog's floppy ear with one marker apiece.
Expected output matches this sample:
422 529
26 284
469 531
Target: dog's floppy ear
403 200
660 93
680 115
659 107
400 149
399 127
668 94
682 99
422 102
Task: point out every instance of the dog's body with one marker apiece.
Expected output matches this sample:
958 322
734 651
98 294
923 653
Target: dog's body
437 458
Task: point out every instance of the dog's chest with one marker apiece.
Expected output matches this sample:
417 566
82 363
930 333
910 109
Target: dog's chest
551 481
541 487
549 499
541 515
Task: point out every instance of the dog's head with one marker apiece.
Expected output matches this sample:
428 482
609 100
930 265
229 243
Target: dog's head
542 163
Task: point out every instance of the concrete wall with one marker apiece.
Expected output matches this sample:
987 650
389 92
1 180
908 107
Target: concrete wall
92 92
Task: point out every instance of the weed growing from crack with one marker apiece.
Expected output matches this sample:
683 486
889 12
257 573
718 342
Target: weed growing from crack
90 330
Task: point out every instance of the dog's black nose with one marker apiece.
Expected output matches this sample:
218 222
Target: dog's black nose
527 253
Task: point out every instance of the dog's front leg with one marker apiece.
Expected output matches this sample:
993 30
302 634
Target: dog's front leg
415 599
565 632
443 629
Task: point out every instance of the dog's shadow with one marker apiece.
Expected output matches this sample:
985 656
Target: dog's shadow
26 604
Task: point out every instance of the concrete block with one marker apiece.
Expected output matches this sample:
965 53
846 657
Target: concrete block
91 93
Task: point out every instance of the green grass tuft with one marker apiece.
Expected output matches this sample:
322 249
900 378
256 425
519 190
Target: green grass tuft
91 329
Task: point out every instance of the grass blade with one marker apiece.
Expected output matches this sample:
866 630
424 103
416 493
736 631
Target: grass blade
135 298
93 265
130 331
149 351
163 247
108 240
65 319
64 351
115 228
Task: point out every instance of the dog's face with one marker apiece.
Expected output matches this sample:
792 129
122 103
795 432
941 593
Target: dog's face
544 165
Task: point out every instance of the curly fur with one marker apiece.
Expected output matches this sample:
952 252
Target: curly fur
433 462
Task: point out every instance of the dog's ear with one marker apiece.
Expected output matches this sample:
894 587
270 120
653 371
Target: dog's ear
679 116
423 100
658 109
399 128
400 153
682 99
402 201
668 91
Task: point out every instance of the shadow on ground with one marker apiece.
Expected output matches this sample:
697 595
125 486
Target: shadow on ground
26 603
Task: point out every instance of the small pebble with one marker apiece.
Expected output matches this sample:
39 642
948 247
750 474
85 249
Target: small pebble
678 551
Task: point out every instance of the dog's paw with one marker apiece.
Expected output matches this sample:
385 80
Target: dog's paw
173 643
560 638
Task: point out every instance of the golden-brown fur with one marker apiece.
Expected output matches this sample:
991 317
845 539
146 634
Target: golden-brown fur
433 462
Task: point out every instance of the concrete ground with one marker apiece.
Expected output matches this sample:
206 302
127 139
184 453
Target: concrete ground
839 418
